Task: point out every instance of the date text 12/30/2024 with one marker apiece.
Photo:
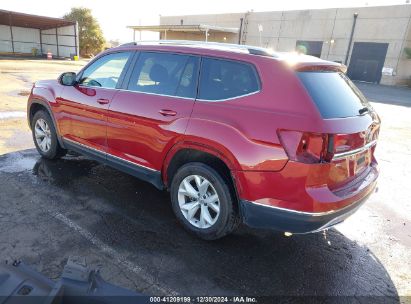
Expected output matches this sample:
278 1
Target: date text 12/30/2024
182 299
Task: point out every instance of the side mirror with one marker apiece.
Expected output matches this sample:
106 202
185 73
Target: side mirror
67 79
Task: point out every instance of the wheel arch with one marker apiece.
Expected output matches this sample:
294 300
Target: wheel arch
184 153
37 105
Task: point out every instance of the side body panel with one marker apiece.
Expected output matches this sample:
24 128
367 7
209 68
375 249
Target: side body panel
46 92
87 116
139 133
244 129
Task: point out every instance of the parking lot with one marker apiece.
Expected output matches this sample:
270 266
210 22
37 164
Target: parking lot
50 210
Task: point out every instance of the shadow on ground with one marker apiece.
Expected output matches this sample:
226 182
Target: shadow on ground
136 220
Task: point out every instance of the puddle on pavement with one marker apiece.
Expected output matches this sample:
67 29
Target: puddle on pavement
65 170
17 162
62 171
12 114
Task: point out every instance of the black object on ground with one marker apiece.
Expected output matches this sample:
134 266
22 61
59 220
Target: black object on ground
78 284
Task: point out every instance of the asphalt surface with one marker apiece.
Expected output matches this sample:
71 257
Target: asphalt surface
386 94
74 206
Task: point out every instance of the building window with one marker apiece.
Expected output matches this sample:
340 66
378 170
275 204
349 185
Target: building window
312 48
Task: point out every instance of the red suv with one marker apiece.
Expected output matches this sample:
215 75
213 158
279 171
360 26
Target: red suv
234 133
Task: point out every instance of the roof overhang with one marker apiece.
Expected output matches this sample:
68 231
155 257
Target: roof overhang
185 28
31 21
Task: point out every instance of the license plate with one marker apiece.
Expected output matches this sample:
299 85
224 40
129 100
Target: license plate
362 161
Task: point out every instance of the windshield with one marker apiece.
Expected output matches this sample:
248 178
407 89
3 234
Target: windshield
333 93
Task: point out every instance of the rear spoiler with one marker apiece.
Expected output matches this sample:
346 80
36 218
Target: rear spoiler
300 62
326 66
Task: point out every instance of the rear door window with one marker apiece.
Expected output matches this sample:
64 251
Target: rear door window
225 79
333 93
165 74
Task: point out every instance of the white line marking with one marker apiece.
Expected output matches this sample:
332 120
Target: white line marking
118 258
12 114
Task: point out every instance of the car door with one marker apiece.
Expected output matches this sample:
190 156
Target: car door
152 111
87 102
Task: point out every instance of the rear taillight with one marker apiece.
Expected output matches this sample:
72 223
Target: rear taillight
348 142
305 147
308 147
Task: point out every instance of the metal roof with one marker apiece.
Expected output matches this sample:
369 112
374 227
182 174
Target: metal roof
31 21
185 28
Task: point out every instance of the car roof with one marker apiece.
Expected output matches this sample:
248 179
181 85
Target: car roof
212 46
292 59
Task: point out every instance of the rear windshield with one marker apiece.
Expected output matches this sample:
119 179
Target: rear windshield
333 93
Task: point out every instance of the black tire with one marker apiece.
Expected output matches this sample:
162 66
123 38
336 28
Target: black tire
55 151
228 218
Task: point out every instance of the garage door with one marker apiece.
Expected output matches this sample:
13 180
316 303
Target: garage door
367 61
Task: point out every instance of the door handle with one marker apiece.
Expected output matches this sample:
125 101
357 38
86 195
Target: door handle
166 112
103 101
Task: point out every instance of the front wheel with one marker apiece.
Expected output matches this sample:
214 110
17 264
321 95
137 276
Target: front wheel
202 201
45 136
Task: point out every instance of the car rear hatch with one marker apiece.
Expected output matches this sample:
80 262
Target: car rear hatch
351 154
352 127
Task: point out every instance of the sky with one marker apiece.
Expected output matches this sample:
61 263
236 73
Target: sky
114 16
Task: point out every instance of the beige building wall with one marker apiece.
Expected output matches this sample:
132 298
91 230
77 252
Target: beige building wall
282 29
404 64
384 24
200 36
225 20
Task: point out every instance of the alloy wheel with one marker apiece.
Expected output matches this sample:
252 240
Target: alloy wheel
198 201
43 135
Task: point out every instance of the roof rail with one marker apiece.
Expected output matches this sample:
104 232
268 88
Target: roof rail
127 44
253 50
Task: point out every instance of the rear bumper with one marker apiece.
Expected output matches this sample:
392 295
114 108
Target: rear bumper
269 217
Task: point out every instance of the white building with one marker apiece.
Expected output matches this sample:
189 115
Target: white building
24 34
369 40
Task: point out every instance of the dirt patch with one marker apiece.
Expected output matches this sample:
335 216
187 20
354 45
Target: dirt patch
15 135
24 93
16 78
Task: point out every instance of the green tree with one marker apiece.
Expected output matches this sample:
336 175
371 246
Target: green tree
90 34
408 52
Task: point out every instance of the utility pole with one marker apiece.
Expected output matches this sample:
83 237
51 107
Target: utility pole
351 37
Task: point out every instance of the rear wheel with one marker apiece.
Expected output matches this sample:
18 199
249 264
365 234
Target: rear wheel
202 201
45 136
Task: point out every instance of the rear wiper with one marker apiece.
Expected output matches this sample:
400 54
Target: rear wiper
363 110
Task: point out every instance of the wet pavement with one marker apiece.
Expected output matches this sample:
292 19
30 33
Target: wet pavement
51 210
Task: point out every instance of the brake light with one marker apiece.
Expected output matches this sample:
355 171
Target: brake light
347 142
305 147
308 147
